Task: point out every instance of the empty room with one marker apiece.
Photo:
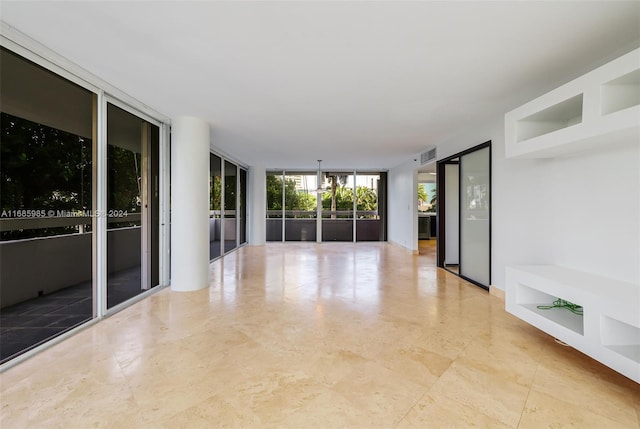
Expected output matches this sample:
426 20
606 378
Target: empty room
320 214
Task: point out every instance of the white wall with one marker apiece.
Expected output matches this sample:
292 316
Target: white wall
402 207
597 218
582 211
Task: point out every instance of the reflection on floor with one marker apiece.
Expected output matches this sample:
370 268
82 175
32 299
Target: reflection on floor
214 248
29 323
306 335
427 248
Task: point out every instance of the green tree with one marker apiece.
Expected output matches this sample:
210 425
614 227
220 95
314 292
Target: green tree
274 192
294 199
42 168
434 201
215 193
337 182
366 199
422 195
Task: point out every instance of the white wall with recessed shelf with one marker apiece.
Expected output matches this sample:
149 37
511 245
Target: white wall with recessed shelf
601 107
608 330
581 142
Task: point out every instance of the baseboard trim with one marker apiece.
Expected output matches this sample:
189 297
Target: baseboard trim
412 251
497 292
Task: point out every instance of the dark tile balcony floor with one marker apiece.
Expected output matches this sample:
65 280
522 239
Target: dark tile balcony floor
25 325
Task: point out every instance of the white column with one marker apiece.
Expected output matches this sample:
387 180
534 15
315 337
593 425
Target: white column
257 205
189 204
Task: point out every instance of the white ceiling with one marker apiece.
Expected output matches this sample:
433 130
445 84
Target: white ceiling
357 84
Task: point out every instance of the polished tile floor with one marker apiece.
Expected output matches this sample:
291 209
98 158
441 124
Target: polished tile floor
303 335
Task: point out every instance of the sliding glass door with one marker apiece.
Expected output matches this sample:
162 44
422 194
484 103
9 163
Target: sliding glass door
132 205
475 229
80 191
230 201
46 198
464 214
215 206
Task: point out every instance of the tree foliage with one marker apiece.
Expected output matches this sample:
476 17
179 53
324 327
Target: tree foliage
294 199
422 195
42 168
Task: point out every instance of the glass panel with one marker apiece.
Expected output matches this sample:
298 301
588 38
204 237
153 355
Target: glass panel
475 247
301 204
230 202
452 216
46 204
368 219
274 206
337 207
242 200
132 200
215 206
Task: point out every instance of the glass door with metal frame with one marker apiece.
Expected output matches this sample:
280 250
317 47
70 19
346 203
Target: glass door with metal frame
132 205
464 214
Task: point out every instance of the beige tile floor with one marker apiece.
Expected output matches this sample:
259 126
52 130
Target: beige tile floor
317 336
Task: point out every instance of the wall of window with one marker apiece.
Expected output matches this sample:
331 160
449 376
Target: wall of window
301 206
227 206
346 206
80 201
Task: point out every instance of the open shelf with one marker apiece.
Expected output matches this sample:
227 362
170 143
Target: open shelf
621 93
609 329
620 337
560 316
554 118
592 112
530 298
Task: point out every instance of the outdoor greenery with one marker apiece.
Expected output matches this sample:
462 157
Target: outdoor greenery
337 197
293 200
45 169
424 199
42 168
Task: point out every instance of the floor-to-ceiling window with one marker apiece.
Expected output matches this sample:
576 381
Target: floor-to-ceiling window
242 201
300 202
353 206
370 203
132 205
46 201
275 205
79 201
215 206
227 206
230 205
337 206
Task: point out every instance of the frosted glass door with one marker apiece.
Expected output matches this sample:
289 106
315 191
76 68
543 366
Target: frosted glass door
475 201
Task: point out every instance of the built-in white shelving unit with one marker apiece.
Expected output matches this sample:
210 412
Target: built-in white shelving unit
599 108
609 329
